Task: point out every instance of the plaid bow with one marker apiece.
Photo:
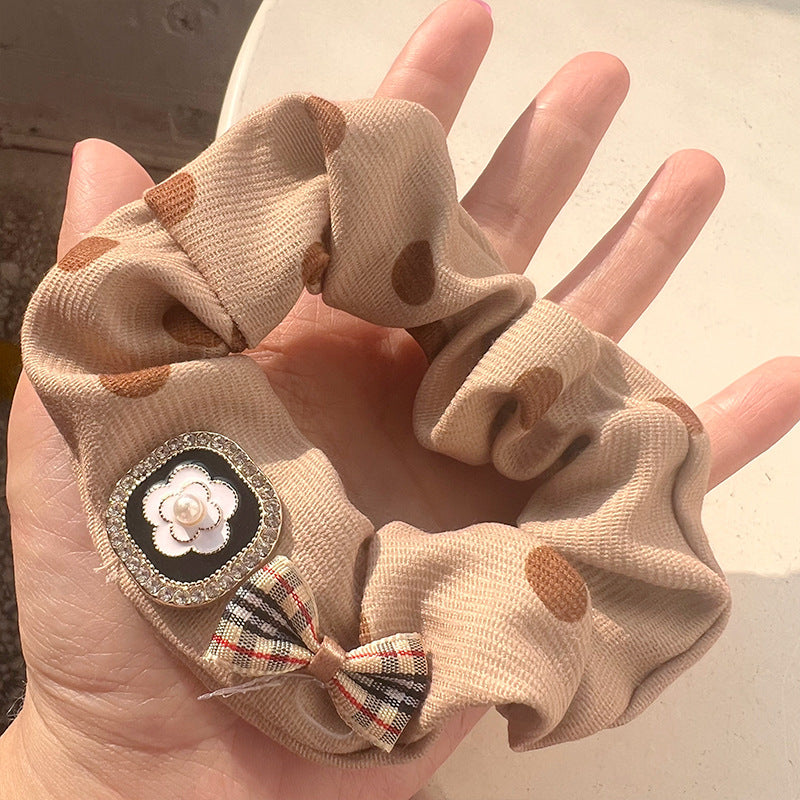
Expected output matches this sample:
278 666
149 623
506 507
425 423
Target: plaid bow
270 627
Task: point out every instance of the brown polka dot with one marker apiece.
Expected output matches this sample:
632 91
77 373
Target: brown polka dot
413 274
557 584
330 121
136 384
536 390
86 251
431 337
172 199
364 633
315 262
327 236
690 419
184 327
238 342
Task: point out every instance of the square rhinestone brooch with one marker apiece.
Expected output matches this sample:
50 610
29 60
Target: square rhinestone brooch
193 519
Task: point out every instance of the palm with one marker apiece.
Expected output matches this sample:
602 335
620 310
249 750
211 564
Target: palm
350 388
97 671
98 665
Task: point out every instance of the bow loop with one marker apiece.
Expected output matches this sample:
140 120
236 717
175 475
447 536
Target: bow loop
270 627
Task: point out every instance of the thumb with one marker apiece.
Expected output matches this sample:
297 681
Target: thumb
103 178
66 608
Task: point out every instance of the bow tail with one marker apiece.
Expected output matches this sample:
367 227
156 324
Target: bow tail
380 686
373 707
268 626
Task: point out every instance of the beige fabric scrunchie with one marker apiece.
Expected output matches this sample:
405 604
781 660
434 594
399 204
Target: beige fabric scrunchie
570 622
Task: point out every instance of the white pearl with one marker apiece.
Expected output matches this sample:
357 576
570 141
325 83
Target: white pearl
188 509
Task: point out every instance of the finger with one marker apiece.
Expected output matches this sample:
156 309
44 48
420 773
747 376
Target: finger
619 278
749 416
542 158
437 65
103 178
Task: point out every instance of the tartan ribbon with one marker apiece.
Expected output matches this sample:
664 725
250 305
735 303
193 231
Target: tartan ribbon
270 628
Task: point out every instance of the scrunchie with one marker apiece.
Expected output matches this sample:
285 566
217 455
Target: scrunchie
570 622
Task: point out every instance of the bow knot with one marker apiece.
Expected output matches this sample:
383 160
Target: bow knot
327 661
269 628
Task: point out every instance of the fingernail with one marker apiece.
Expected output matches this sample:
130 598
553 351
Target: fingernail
485 5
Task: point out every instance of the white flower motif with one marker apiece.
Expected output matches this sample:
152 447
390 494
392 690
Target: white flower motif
190 511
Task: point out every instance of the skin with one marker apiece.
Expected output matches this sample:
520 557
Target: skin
108 712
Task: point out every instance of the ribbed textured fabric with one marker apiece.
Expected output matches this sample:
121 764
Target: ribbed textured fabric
570 622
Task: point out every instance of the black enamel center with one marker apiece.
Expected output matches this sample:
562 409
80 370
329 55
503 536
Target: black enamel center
244 522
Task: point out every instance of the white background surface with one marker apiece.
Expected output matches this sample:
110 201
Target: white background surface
724 77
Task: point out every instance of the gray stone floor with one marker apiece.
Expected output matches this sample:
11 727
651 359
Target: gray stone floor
148 75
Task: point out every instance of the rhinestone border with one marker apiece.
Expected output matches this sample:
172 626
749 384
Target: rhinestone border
195 593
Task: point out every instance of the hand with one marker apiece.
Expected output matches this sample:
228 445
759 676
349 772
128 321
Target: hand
108 711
